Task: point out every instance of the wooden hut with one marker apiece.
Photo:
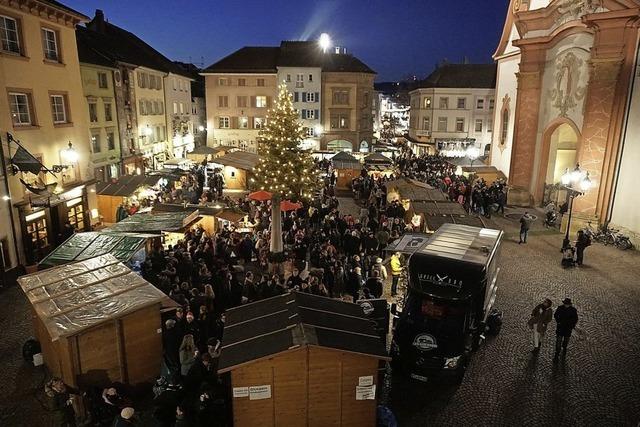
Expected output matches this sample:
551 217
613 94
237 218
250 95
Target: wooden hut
301 360
97 321
204 152
347 168
112 194
237 168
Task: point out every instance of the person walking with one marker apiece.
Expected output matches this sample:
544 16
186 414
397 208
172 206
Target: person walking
396 271
566 317
540 318
582 243
525 224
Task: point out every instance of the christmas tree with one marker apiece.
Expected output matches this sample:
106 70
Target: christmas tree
284 169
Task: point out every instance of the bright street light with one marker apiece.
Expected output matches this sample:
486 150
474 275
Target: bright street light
70 155
324 41
200 128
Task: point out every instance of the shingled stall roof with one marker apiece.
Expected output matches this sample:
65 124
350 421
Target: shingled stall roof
377 158
477 76
271 326
125 185
102 41
87 245
154 222
415 190
238 159
267 59
440 212
74 297
344 160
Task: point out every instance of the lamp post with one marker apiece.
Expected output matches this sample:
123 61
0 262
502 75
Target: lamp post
569 181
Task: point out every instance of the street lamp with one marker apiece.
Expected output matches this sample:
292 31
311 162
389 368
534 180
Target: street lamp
571 180
324 41
69 156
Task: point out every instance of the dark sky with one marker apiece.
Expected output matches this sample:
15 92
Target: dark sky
396 38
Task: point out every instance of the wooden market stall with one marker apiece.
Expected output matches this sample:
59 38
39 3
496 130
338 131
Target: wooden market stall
407 190
301 360
488 173
347 168
93 318
112 194
237 168
171 225
434 213
204 152
124 246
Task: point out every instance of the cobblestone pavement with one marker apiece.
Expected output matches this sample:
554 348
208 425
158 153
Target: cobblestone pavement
505 385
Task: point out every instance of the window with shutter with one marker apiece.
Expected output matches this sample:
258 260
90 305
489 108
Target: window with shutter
317 114
317 97
304 97
295 96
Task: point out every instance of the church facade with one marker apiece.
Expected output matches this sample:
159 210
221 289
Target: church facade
567 94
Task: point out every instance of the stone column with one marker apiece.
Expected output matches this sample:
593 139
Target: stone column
524 135
596 130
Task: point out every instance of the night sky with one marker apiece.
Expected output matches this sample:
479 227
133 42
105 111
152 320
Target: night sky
397 38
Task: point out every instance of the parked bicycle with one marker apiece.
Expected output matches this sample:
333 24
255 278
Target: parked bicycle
608 236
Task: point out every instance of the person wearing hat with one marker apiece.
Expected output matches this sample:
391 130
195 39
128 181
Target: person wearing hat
566 317
125 418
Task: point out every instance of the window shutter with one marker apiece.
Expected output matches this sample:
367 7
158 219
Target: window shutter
216 122
302 114
250 123
295 96
268 102
253 102
304 96
317 96
316 114
234 122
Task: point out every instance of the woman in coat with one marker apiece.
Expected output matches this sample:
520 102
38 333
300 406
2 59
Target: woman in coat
540 318
187 354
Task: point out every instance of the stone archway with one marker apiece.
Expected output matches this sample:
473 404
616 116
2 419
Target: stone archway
340 145
560 150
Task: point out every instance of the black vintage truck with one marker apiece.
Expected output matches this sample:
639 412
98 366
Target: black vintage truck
452 283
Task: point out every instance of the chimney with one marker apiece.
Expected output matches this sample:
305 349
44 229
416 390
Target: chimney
97 24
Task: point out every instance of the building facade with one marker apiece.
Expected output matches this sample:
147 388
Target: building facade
43 110
153 128
305 84
99 93
347 111
453 107
567 94
179 120
241 86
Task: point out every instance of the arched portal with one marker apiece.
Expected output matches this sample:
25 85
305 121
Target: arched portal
560 152
339 145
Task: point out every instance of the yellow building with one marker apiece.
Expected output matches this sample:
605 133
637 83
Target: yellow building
98 86
42 110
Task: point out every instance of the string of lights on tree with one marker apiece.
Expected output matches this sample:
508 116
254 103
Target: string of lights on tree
284 169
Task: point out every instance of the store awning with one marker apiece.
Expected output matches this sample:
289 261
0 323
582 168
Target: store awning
82 246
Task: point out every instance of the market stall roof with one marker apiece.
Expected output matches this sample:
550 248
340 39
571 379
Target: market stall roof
73 297
417 141
154 222
205 149
274 325
177 162
465 161
238 159
415 190
377 158
344 160
439 207
87 245
408 243
125 185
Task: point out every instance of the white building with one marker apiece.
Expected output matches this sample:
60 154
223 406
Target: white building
454 107
305 83
177 92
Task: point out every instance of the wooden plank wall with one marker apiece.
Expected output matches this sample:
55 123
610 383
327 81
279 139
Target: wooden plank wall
333 377
98 359
142 345
286 373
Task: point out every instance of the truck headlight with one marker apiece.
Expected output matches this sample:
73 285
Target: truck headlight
451 362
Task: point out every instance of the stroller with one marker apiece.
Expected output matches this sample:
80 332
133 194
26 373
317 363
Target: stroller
568 256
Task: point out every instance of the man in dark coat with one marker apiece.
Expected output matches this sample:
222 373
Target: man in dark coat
172 339
581 244
566 317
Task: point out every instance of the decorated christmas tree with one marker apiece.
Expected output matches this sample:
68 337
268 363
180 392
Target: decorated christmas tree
284 169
